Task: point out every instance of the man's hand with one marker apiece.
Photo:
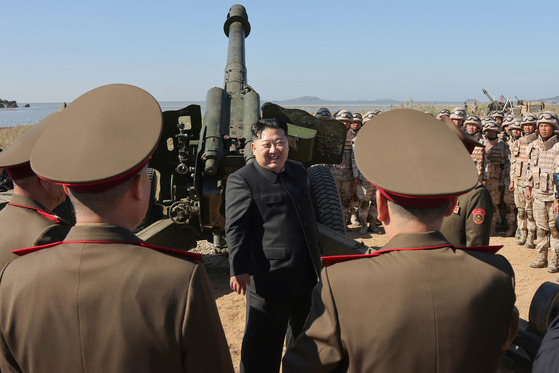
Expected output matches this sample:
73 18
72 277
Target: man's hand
528 193
556 206
239 283
511 186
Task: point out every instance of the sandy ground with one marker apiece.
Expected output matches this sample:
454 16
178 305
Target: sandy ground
232 306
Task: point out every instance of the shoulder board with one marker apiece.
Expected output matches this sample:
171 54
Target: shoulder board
28 250
43 213
197 258
329 260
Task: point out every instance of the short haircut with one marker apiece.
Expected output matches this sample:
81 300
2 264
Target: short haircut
104 202
263 124
420 214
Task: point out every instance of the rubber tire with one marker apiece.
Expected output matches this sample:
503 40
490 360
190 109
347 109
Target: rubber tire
325 198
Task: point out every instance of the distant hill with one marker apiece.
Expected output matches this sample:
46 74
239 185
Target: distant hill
312 100
551 100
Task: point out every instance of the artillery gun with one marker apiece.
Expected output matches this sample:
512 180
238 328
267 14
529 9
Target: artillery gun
493 105
196 155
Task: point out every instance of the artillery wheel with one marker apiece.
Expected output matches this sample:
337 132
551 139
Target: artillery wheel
544 307
326 199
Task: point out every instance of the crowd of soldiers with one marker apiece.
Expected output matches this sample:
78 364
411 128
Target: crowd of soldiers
517 163
356 193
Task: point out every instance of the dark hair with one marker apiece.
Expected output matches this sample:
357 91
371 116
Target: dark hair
262 124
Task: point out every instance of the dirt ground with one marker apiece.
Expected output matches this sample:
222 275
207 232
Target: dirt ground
232 306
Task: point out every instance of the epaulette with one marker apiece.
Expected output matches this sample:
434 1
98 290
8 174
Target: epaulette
329 260
195 257
43 213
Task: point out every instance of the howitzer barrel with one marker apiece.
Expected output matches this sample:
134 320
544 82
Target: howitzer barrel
237 28
487 94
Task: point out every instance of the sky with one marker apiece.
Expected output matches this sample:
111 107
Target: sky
54 51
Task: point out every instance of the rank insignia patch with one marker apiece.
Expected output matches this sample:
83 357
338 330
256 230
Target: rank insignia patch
456 209
478 216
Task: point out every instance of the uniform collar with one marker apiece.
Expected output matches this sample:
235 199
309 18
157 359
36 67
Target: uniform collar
413 240
100 232
27 202
271 176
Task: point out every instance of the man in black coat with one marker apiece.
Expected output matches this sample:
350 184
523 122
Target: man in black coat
273 250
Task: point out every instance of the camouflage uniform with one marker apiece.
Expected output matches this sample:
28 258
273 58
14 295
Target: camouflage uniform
367 207
518 175
497 173
543 157
343 172
478 156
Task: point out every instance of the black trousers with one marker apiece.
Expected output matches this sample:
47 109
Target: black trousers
267 321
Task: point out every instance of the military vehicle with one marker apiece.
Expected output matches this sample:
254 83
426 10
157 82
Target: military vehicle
196 154
522 107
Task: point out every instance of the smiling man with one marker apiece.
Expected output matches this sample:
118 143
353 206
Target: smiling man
273 250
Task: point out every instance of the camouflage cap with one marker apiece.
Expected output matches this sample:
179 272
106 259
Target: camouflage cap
548 117
486 120
515 125
473 119
15 159
529 118
458 113
507 121
344 115
368 115
469 142
107 134
323 113
496 114
357 117
491 126
421 162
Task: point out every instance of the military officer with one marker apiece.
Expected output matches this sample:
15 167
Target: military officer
518 181
470 221
103 300
421 322
541 154
28 219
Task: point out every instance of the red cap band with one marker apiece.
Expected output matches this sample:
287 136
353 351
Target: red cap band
20 172
415 201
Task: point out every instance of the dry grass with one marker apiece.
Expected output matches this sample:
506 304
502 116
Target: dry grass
10 134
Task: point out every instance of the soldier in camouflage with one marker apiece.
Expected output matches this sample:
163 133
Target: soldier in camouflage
458 116
542 154
497 168
443 113
473 128
323 113
518 175
343 172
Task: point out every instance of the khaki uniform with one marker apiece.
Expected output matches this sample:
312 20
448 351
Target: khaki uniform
518 175
442 310
478 156
541 155
470 222
343 175
497 173
114 306
26 223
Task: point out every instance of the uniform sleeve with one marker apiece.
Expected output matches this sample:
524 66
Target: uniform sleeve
478 220
356 173
505 175
238 200
204 346
7 360
529 177
319 347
